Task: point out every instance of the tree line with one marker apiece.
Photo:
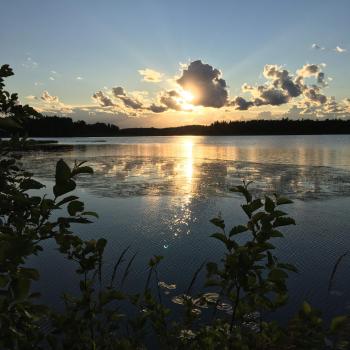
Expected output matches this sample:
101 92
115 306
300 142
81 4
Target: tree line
54 126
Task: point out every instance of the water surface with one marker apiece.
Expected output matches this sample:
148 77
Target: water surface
158 194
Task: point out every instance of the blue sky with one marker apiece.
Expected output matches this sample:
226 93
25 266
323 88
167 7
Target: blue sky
107 42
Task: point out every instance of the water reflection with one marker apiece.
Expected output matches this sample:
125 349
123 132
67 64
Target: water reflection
196 166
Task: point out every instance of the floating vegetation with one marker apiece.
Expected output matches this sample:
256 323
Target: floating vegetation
181 299
187 334
224 307
166 286
196 312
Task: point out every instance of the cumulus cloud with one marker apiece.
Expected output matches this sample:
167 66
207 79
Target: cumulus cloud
281 87
51 78
157 108
205 83
151 75
102 99
128 101
241 103
170 99
49 98
118 91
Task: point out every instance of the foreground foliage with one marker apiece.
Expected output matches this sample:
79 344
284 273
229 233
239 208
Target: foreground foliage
229 313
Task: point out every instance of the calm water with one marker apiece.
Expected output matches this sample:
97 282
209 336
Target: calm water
158 194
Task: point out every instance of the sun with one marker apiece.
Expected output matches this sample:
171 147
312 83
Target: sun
185 98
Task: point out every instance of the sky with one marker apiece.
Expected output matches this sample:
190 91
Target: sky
166 63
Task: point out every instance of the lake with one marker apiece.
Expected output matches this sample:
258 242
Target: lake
158 194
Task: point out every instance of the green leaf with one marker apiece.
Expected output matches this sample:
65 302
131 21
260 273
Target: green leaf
63 188
244 191
90 213
288 267
306 308
74 207
277 274
218 222
100 245
251 207
238 229
282 200
338 322
82 170
66 200
63 172
30 184
220 236
283 221
269 204
21 288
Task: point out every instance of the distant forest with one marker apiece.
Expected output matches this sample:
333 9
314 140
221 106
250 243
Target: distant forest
66 127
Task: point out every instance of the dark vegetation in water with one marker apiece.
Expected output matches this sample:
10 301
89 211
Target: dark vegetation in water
233 310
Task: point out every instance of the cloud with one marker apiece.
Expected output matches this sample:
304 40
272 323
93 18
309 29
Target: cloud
241 104
102 99
49 98
151 75
281 87
157 108
118 91
31 98
79 78
329 109
52 78
170 99
281 79
205 83
339 49
30 63
128 101
317 47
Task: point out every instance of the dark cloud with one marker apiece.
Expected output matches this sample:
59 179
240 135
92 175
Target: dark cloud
157 108
206 84
282 87
313 94
170 100
241 104
128 101
118 91
102 99
273 97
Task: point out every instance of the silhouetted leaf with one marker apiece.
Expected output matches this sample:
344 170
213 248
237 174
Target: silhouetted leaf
63 188
238 229
63 172
283 221
30 184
